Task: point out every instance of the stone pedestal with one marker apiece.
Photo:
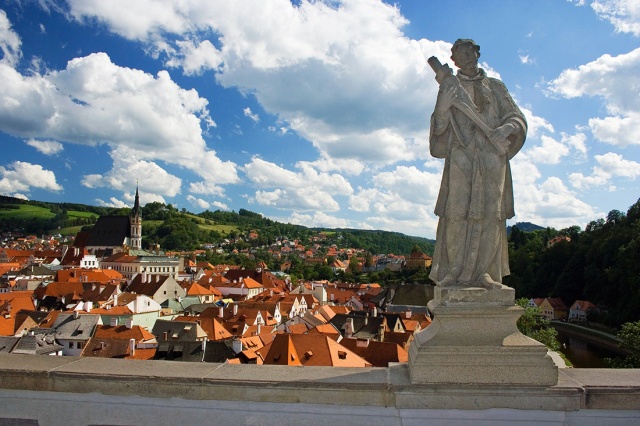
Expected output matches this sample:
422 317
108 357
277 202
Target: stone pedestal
474 339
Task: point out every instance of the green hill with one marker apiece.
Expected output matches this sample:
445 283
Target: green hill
182 230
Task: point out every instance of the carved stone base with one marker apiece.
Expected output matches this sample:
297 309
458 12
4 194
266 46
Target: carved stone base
474 339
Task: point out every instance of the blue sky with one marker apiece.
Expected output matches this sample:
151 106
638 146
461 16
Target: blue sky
314 113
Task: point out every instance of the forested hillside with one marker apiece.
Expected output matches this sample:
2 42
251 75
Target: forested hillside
600 263
175 229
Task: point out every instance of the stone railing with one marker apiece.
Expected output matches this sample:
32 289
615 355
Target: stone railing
48 390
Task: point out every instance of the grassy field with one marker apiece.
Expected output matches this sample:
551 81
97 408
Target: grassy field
75 213
70 230
25 211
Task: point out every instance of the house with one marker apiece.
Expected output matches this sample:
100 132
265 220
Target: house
139 308
419 260
11 304
580 310
378 354
158 287
309 350
73 331
130 264
212 326
121 341
180 341
553 308
38 343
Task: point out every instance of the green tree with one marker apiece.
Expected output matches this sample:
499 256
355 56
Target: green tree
630 335
534 325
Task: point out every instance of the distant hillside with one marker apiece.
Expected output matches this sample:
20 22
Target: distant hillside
176 229
525 226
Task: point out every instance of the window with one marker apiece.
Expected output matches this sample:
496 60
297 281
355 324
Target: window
70 345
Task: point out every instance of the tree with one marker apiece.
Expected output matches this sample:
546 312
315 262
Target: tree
534 325
630 335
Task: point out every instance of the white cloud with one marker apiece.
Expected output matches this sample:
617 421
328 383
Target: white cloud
93 101
612 78
609 165
204 188
317 220
546 201
401 200
195 58
113 202
549 152
9 42
623 14
306 189
341 74
22 176
198 202
620 131
46 147
535 124
247 113
127 173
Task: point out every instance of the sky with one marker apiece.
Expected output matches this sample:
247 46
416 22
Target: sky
310 112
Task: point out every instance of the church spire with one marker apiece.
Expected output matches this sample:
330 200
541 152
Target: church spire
136 205
136 224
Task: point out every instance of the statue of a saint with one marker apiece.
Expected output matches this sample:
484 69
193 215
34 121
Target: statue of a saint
477 128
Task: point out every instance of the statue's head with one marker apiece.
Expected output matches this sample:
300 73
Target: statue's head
465 42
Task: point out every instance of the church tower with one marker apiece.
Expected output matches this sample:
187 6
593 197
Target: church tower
136 224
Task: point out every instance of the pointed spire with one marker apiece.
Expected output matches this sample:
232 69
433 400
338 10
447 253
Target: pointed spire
136 205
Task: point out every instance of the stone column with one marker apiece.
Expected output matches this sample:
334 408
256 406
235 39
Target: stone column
474 339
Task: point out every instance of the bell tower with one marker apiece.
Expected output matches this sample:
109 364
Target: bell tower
136 224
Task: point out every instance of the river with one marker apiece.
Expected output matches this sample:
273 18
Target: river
583 354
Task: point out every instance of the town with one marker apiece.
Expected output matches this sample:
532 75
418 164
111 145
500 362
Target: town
101 295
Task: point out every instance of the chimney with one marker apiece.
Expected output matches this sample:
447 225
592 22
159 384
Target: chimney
143 278
366 318
129 323
259 329
157 278
235 309
88 306
75 314
348 328
203 344
115 300
408 314
132 346
237 346
165 335
374 312
149 278
220 312
381 332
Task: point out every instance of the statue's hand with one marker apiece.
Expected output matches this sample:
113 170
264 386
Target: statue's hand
447 95
499 137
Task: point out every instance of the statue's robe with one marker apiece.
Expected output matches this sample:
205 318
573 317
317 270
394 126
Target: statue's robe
476 193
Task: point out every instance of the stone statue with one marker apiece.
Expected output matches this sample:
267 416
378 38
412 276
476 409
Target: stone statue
477 128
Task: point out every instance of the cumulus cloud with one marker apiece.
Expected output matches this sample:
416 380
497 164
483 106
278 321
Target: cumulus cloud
93 101
318 219
341 74
552 151
305 189
21 176
9 42
546 201
608 166
608 77
623 14
46 147
128 173
198 202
